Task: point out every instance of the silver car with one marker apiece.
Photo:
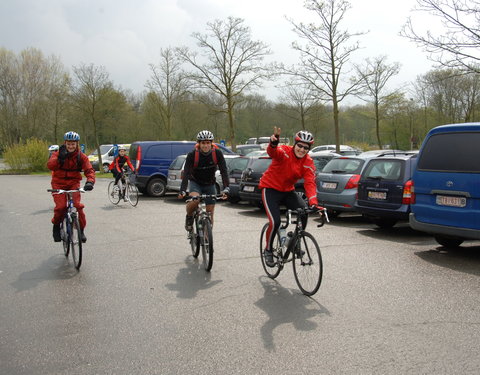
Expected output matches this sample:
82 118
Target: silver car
337 183
175 173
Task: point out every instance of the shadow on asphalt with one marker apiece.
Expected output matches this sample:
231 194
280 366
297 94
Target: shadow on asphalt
399 233
191 279
286 306
464 259
57 267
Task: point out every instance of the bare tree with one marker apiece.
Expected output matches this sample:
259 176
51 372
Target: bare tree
374 76
324 57
169 83
90 89
231 63
458 46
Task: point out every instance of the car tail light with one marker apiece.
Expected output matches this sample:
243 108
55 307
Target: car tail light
408 196
412 192
139 158
353 182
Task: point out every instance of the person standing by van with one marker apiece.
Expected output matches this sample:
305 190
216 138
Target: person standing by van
117 166
199 175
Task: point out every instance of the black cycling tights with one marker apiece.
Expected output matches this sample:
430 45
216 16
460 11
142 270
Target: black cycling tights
272 200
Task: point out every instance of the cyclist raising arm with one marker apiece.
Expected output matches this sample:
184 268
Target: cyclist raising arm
289 164
66 165
117 165
199 174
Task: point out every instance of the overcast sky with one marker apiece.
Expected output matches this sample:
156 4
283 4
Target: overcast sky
125 36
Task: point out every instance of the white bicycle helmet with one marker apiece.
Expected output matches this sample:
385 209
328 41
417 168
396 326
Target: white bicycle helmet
53 148
120 148
71 136
304 136
205 135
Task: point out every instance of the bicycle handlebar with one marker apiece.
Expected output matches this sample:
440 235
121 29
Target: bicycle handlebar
203 197
61 191
309 210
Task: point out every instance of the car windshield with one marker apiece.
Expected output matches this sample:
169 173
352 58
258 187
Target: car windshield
103 149
260 165
237 164
320 162
384 170
344 165
178 162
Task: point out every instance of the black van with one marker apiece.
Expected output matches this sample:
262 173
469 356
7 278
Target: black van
151 160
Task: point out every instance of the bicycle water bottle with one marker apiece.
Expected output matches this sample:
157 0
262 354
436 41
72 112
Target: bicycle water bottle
287 239
283 236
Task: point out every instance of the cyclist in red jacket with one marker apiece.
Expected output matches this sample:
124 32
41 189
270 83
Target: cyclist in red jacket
66 165
117 165
289 164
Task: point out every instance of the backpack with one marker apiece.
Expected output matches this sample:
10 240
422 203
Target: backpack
197 156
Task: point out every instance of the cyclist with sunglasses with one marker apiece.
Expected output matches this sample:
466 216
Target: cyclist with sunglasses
289 164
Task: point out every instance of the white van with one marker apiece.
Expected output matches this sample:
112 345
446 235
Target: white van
108 154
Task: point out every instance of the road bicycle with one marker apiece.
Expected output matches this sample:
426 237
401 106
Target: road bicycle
298 247
70 231
200 237
129 192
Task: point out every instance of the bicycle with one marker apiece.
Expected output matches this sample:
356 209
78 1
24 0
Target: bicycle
129 190
70 231
298 247
201 234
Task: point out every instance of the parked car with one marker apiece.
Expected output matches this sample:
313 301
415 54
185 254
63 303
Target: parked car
152 160
108 154
337 183
382 152
175 172
344 150
446 189
235 168
385 189
246 149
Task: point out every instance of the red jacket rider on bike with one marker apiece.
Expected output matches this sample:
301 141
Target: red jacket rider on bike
66 165
289 164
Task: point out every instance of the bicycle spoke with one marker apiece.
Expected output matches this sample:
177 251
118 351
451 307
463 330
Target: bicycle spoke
76 243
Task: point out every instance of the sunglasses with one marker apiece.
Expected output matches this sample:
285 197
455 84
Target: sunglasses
302 146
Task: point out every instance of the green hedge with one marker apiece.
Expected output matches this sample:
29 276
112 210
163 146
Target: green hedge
31 156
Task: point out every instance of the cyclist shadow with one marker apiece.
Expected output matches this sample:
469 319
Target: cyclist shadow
57 267
191 279
285 306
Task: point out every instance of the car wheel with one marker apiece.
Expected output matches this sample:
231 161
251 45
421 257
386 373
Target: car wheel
332 214
233 199
105 168
156 187
448 242
384 223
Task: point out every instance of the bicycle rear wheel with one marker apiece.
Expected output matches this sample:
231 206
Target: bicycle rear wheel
64 236
272 272
113 193
132 194
207 244
307 264
195 240
76 243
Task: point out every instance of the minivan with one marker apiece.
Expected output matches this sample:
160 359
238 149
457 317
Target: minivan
151 160
446 185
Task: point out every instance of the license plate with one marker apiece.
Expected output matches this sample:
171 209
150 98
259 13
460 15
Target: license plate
444 200
232 180
172 177
249 188
329 185
377 195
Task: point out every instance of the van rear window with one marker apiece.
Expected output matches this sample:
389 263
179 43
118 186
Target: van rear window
451 152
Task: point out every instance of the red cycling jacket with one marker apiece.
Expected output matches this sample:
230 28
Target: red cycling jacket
286 169
71 168
118 163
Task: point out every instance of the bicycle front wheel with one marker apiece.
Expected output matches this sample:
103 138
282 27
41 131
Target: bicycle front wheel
132 194
195 240
207 244
307 264
76 243
64 236
272 272
113 193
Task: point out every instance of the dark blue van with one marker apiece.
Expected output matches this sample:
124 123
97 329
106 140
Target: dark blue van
151 160
446 184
